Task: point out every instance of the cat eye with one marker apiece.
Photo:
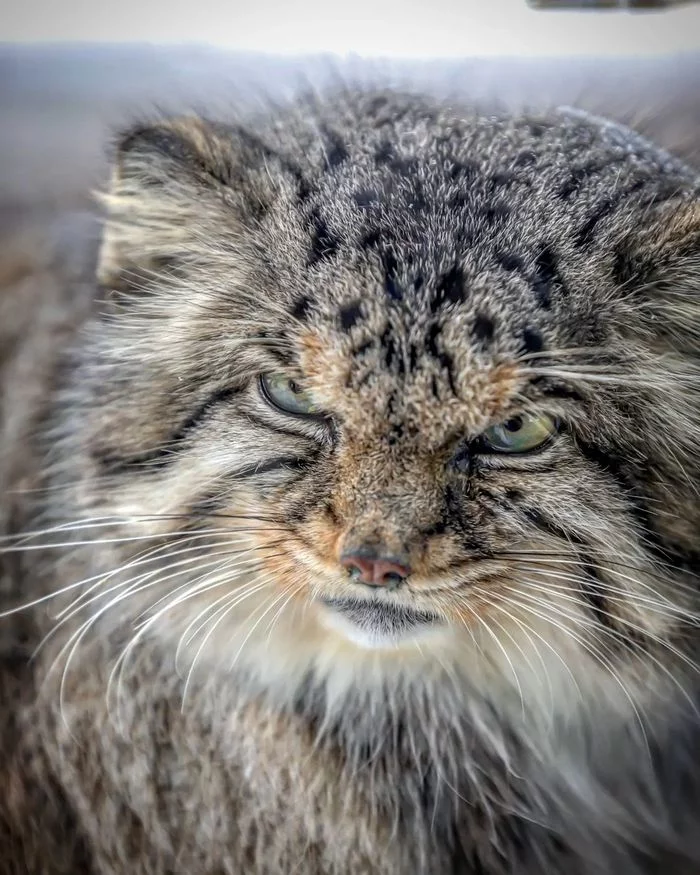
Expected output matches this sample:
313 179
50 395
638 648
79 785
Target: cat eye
287 396
522 434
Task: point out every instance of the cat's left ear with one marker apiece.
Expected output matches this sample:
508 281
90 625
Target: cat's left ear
658 265
174 184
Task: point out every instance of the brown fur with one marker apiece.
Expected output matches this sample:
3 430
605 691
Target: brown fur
425 272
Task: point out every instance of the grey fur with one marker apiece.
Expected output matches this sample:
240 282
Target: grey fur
425 270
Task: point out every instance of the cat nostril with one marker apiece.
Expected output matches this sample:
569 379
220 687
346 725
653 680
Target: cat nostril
375 572
353 570
392 579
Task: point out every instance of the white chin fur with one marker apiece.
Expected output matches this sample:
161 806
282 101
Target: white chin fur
369 637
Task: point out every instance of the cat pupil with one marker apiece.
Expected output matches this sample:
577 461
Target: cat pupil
514 424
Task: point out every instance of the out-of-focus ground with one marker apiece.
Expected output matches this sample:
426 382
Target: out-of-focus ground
59 105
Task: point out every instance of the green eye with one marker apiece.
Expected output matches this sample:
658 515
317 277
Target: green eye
522 434
285 395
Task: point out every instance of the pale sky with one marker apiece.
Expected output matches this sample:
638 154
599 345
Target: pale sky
408 28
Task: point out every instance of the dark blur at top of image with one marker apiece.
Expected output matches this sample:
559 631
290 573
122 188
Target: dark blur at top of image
612 5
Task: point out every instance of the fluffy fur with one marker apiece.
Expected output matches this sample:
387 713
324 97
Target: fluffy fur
424 272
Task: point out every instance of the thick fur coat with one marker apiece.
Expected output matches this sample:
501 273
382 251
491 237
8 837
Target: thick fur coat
211 691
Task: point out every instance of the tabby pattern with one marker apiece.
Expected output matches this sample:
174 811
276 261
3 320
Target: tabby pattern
360 533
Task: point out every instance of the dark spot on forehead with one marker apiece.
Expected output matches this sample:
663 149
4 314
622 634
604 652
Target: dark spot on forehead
496 212
626 267
403 165
460 200
388 346
546 277
383 152
378 102
602 210
538 129
350 315
532 341
391 283
301 308
510 261
573 183
483 330
503 179
449 288
395 434
463 170
417 200
304 188
580 174
324 245
525 158
363 347
336 150
366 198
431 339
370 240
586 233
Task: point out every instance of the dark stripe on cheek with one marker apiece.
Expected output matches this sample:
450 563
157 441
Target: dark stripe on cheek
215 502
257 469
592 589
590 585
557 390
287 432
161 457
315 498
615 468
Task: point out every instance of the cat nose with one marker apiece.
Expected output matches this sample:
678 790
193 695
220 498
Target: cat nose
370 567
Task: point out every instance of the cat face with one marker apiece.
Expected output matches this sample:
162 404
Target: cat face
413 387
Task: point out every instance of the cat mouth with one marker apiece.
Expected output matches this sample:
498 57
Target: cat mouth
375 623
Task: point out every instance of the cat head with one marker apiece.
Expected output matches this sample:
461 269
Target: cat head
394 386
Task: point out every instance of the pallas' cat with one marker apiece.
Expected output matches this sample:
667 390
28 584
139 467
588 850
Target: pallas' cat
351 503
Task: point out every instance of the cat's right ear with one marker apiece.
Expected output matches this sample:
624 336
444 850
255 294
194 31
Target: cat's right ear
174 184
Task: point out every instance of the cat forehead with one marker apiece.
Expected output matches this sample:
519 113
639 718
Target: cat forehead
427 346
420 184
426 254
424 283
427 381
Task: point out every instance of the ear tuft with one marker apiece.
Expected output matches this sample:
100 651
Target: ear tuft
168 179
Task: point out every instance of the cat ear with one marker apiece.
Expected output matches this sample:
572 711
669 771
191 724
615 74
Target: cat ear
621 136
172 182
659 265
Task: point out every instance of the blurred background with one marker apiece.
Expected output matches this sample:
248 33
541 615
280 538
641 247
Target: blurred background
73 70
